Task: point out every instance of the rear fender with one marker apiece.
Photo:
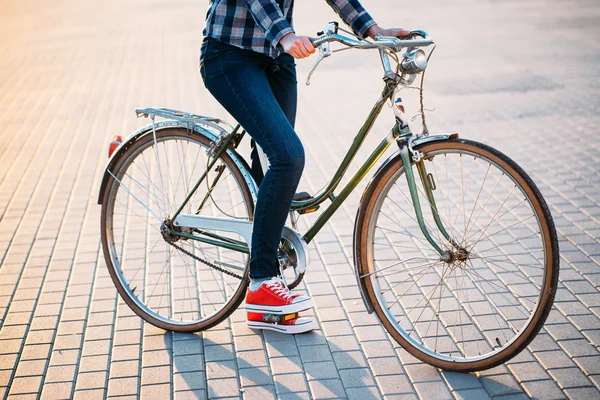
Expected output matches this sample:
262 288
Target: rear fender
147 130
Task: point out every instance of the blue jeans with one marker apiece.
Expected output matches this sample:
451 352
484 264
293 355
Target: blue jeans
261 94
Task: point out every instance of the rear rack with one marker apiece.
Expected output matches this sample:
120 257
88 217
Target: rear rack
192 119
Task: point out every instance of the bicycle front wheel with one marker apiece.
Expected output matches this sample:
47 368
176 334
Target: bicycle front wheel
174 282
483 301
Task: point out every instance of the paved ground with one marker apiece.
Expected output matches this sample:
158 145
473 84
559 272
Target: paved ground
522 76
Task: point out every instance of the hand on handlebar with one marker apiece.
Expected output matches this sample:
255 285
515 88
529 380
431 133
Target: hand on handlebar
296 45
375 30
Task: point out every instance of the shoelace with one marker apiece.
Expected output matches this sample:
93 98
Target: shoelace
280 289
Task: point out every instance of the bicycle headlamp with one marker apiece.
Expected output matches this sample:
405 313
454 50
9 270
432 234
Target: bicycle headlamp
414 62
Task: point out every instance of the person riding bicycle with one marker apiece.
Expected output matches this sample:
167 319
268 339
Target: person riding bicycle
247 64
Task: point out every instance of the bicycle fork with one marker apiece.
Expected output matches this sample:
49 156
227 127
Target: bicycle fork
408 155
428 187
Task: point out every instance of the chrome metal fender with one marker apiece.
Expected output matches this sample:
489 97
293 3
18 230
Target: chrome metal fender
147 130
416 143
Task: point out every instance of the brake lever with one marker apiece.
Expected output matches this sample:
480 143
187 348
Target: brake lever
324 52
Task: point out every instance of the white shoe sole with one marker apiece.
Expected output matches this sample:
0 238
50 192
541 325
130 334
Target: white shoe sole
288 309
307 326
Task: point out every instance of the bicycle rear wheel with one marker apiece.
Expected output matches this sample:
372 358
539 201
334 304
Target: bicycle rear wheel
160 276
486 303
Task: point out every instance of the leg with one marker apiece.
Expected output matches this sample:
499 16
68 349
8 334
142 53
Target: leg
238 80
281 73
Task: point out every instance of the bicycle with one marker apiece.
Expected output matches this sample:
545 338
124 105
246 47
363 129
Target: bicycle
458 258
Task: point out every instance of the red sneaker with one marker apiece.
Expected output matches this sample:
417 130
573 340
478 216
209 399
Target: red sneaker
289 323
274 297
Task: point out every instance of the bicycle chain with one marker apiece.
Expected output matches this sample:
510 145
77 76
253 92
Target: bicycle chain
227 272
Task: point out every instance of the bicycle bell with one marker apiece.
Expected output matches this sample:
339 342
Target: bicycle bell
414 61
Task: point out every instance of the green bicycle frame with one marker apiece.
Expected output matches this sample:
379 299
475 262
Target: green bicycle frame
328 192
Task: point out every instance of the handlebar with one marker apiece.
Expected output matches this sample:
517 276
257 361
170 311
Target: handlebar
381 43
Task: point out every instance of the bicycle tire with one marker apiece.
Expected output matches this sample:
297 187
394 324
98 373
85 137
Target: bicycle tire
368 214
169 138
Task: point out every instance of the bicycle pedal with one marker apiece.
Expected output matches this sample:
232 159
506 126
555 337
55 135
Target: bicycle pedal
305 196
271 318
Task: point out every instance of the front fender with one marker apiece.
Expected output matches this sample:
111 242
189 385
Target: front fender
147 130
395 157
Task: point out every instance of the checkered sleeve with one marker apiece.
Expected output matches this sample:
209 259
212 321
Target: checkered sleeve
270 19
353 14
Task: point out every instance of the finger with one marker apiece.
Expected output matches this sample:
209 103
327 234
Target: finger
308 45
299 53
295 53
300 48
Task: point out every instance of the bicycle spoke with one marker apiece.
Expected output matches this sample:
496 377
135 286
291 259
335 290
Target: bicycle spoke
169 284
474 302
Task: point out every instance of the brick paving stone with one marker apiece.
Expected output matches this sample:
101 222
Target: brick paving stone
569 377
436 390
91 380
343 343
385 366
294 396
188 363
223 388
287 365
123 386
250 359
554 359
224 369
125 353
422 373
350 359
528 372
576 348
394 384
289 383
546 389
363 393
255 376
248 343
589 365
461 381
500 385
327 389
25 385
158 392
313 338
219 353
315 353
93 363
190 395
583 393
336 328
124 369
189 381
356 377
259 393
61 390
471 394
64 373
156 358
30 368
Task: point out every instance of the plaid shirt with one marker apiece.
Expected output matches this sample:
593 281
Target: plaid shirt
258 25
